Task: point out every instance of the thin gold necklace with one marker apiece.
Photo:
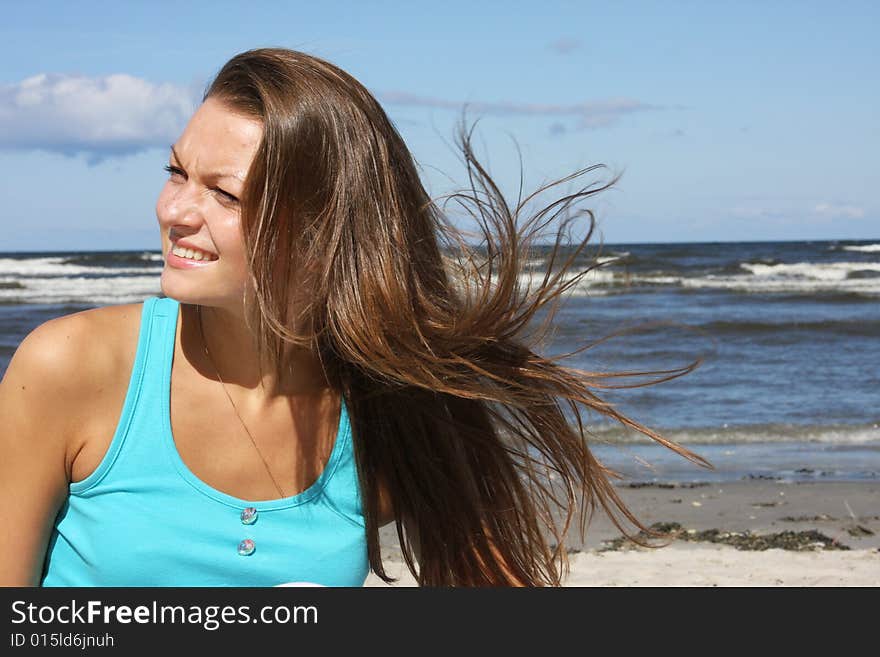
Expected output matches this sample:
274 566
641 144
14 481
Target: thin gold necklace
223 385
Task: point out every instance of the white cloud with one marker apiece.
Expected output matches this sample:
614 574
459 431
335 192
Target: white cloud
833 210
99 117
120 114
591 114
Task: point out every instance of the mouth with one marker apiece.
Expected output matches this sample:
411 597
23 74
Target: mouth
192 254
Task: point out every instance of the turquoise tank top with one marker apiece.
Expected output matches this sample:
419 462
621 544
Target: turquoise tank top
142 518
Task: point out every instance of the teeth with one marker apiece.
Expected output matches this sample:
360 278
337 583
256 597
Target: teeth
190 254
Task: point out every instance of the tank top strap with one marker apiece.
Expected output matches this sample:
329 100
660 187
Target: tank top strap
141 411
341 488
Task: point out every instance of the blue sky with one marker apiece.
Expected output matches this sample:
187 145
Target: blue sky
729 121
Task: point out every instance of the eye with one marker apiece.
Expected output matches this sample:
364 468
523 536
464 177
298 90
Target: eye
174 171
225 197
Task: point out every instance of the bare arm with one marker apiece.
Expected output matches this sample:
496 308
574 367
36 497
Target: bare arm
37 396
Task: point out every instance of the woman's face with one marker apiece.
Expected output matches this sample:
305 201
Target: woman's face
198 209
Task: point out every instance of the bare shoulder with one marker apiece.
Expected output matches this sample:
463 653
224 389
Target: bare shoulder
72 348
73 367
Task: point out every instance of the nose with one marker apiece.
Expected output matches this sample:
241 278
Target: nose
179 205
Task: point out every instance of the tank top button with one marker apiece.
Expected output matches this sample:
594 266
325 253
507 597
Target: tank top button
249 516
246 547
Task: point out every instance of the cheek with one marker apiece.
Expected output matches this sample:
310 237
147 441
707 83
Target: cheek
228 236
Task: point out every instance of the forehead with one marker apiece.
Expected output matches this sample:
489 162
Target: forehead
218 139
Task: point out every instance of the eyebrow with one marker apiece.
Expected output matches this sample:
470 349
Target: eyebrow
215 175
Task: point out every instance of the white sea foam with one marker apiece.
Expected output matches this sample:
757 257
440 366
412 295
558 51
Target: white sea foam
55 279
828 271
55 266
585 286
531 281
99 291
867 248
864 434
802 277
798 278
794 286
657 280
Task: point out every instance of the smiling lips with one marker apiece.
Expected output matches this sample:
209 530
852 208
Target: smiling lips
192 254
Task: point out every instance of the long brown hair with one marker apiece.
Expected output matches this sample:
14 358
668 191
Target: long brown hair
430 338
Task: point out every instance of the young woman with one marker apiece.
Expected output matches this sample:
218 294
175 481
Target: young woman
328 356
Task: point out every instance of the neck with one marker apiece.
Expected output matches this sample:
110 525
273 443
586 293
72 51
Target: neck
221 343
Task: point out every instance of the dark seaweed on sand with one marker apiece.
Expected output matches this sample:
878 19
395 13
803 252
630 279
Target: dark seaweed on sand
798 541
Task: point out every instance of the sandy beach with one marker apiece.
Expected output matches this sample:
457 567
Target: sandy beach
742 533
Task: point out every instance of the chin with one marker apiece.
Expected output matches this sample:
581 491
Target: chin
183 291
181 287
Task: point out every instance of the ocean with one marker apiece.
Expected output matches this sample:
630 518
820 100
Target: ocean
787 334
